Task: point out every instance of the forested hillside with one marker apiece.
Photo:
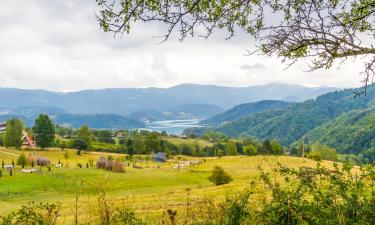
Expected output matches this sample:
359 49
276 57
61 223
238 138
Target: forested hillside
245 110
291 124
350 133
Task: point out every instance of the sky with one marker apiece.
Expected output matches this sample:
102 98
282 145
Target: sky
57 45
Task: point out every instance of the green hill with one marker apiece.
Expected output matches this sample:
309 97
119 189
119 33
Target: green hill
291 124
350 133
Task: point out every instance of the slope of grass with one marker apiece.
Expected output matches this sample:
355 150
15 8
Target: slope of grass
152 189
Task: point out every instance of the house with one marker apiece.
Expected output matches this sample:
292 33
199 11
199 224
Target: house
3 127
160 157
27 141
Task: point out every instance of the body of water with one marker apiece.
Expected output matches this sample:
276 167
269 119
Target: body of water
173 126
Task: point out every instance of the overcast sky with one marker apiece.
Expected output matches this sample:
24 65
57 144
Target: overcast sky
57 45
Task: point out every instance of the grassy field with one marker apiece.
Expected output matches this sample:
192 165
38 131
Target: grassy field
152 189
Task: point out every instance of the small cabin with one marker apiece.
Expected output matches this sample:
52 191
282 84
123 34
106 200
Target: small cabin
27 141
160 157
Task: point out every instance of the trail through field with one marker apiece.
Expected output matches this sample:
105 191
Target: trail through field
9 153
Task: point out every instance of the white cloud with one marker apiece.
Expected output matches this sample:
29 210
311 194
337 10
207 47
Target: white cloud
57 45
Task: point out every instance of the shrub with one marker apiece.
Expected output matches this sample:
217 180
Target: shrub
250 149
42 161
219 176
33 214
22 160
315 156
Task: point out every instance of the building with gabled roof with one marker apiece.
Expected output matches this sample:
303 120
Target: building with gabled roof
27 141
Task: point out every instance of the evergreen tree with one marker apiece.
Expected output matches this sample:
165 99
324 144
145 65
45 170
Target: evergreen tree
44 131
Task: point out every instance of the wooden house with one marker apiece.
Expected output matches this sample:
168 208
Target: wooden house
27 141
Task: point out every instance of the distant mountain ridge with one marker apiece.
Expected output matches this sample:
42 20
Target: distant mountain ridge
125 101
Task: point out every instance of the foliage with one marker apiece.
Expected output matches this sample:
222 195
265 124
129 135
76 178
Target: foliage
231 148
33 213
324 151
276 147
250 150
337 119
319 196
349 133
104 136
85 134
13 134
44 131
219 176
323 31
80 144
246 110
22 161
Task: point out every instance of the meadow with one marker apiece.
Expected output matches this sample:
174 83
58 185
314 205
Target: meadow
149 190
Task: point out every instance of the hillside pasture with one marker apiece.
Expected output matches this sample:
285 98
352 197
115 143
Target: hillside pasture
153 188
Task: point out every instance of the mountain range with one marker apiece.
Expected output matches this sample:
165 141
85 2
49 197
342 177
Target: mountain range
133 107
125 101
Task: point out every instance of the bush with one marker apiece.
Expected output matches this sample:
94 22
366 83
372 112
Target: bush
22 161
219 176
315 156
250 149
33 214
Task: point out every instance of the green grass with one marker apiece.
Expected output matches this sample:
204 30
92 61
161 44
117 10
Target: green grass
150 189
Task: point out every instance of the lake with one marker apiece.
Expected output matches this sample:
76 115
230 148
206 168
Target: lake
173 126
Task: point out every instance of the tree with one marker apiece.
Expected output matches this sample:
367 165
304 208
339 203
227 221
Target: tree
322 31
277 149
21 161
250 149
44 131
80 144
13 134
301 149
130 146
105 136
324 151
84 135
266 147
219 176
231 148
